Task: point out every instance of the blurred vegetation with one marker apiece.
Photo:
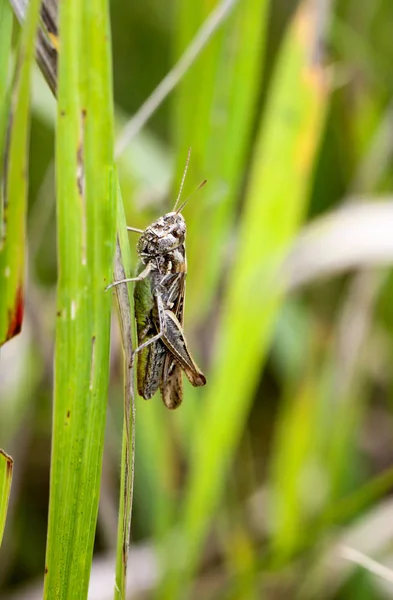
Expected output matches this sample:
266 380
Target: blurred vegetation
275 480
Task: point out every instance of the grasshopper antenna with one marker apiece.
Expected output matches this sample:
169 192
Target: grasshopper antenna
134 229
188 197
183 178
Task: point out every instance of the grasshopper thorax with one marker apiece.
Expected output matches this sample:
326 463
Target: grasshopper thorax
163 236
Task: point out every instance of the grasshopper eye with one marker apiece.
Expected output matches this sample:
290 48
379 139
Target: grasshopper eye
177 232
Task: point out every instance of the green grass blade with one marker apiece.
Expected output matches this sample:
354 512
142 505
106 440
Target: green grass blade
157 467
6 466
288 136
123 269
86 240
5 52
295 455
360 500
224 86
13 241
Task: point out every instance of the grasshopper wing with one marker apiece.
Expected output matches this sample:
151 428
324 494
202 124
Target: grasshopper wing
171 385
151 358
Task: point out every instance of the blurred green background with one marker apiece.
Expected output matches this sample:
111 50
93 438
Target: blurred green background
275 480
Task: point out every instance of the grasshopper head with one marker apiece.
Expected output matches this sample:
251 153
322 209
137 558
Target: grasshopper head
164 235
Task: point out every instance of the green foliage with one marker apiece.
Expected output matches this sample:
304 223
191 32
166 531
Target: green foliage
5 53
86 218
6 466
14 180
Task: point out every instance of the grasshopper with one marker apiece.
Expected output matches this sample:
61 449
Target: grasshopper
159 296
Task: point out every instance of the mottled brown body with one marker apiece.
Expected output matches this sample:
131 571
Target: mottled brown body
159 308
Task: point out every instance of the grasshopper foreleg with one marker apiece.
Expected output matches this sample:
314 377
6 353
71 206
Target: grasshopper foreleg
145 273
